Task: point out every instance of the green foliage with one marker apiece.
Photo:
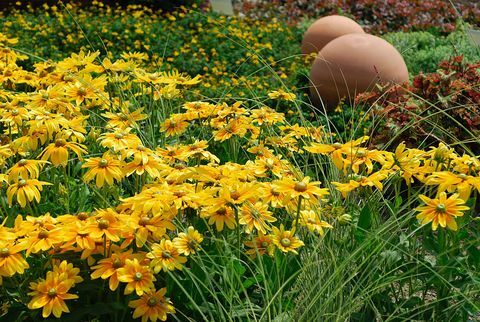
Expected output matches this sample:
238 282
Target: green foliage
423 51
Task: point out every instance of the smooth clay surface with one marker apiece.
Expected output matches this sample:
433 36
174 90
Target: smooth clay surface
352 64
326 29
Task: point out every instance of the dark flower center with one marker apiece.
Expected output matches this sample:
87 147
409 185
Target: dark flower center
300 186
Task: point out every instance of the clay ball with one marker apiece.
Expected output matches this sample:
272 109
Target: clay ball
352 64
326 29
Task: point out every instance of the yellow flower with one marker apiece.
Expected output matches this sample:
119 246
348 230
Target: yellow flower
104 169
220 216
187 243
51 294
305 188
26 190
25 169
152 306
66 271
262 244
441 211
285 240
137 277
165 256
312 221
11 261
57 152
281 94
461 183
335 150
108 268
256 216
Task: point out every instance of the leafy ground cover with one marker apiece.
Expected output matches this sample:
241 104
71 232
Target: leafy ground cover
171 167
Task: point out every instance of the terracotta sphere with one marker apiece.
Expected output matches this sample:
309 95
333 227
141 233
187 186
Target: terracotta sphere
352 64
325 29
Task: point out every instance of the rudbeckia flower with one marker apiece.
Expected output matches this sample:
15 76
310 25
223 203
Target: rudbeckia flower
50 294
441 211
26 190
152 306
104 169
139 278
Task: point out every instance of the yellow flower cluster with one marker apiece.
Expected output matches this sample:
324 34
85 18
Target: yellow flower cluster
121 125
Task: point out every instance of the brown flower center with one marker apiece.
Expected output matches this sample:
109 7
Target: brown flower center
285 242
60 142
300 186
15 112
235 194
166 254
221 211
43 234
264 244
152 302
103 163
441 208
4 252
22 183
82 216
52 292
103 224
22 162
138 276
144 221
117 263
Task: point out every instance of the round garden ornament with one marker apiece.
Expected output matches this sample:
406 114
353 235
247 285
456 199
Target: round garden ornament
352 64
326 29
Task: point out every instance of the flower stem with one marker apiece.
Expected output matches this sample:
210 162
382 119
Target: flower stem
300 198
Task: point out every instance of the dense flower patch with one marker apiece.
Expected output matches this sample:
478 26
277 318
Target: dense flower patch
110 173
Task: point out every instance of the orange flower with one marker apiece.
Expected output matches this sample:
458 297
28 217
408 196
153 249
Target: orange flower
152 306
26 190
187 243
58 152
11 261
51 294
165 256
304 188
285 240
108 268
441 211
137 277
106 168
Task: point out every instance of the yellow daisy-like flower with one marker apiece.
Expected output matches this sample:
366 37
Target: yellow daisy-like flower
441 211
104 169
165 256
51 294
26 190
11 261
281 94
137 277
305 188
67 271
187 243
58 152
285 240
256 216
262 244
152 306
25 169
108 268
312 221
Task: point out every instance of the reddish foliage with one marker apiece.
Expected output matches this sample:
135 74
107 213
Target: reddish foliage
378 16
449 98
